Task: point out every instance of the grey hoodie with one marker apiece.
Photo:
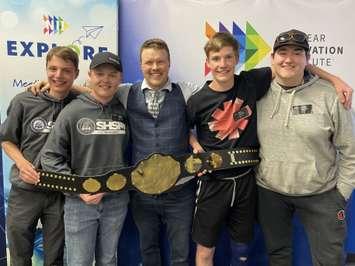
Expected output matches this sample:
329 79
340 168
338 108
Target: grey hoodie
29 120
89 138
307 140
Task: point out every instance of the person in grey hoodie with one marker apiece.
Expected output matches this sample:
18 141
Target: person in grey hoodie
90 138
307 151
30 119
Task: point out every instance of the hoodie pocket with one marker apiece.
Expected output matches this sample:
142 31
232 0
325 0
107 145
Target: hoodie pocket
295 178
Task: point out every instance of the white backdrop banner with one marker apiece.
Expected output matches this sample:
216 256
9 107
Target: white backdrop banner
186 25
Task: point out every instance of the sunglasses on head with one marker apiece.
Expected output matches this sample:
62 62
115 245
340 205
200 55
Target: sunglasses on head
297 37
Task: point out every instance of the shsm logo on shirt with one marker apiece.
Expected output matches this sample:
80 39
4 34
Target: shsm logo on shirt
87 126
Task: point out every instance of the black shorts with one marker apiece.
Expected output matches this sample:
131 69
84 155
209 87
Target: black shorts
213 209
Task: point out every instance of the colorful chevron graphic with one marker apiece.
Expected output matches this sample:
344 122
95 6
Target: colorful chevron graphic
253 47
54 25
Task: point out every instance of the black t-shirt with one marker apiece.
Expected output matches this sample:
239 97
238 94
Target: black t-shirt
225 120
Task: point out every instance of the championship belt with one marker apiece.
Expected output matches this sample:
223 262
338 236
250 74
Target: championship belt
156 174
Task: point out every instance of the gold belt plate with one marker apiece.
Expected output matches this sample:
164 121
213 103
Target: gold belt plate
156 174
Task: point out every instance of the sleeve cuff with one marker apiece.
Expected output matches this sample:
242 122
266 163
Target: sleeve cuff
345 190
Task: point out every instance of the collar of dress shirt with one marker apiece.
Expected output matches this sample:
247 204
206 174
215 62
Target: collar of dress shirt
167 86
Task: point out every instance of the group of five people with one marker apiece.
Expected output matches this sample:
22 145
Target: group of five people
307 151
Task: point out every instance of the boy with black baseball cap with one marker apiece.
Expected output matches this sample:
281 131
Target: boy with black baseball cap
89 139
307 151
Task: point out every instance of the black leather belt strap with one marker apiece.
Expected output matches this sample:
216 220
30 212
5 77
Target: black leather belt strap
154 175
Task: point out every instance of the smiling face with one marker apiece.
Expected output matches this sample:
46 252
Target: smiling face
289 63
155 66
222 64
61 75
104 81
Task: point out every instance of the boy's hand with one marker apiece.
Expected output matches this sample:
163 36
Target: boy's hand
196 148
28 173
92 199
38 87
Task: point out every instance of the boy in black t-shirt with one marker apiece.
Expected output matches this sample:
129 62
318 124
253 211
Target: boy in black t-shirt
224 114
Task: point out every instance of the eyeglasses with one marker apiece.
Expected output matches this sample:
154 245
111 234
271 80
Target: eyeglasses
297 37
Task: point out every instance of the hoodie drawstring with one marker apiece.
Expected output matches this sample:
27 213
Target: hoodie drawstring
277 104
290 102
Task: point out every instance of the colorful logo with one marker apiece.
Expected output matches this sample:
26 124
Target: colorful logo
253 47
54 25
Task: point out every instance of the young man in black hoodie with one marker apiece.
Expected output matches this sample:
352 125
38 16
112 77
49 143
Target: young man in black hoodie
29 120
89 139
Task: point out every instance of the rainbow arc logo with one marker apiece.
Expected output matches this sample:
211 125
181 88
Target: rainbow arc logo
54 25
253 47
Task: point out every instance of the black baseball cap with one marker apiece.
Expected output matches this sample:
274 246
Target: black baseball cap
292 37
106 58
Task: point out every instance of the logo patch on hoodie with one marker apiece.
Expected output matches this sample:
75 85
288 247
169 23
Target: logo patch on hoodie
87 126
40 125
302 109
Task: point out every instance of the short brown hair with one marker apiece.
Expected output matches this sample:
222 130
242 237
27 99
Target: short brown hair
65 53
155 43
220 40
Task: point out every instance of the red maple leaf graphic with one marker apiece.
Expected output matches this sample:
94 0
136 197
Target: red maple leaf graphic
225 122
